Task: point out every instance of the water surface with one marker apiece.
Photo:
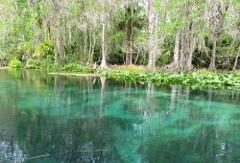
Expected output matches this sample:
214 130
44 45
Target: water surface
50 119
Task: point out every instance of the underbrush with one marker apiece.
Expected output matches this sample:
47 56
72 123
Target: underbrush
33 64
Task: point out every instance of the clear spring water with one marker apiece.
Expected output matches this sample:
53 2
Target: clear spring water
52 119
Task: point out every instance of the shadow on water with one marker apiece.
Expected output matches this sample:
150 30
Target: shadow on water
84 119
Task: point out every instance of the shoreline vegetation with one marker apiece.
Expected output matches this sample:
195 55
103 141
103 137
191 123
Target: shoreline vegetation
201 78
74 74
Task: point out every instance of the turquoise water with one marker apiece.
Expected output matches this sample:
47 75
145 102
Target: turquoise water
52 119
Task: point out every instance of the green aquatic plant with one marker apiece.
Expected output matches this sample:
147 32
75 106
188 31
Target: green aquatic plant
194 79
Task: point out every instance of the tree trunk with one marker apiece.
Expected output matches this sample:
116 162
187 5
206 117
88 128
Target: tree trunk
129 43
192 46
212 65
90 46
104 48
85 46
177 51
58 45
153 40
69 33
49 32
129 55
216 23
236 59
185 46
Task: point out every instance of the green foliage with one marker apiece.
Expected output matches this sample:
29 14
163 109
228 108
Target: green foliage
45 50
77 68
195 79
33 64
51 68
28 33
25 49
15 64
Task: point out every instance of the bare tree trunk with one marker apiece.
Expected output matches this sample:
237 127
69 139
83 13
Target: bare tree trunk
69 33
177 48
182 52
49 32
192 46
216 22
129 55
104 48
129 43
236 59
85 46
153 40
185 45
58 32
58 45
93 47
177 51
212 65
90 46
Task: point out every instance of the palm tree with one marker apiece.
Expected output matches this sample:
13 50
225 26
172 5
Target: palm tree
131 16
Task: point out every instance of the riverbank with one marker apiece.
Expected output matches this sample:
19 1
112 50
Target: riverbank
74 74
140 74
198 78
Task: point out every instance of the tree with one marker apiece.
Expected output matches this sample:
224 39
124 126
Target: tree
186 37
205 32
216 18
153 34
131 19
106 7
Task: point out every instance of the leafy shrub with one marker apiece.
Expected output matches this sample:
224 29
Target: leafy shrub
52 67
45 50
24 49
15 63
77 68
33 64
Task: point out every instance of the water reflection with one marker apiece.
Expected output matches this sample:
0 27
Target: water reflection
69 119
